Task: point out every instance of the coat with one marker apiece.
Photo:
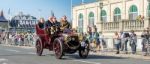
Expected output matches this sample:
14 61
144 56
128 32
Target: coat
65 25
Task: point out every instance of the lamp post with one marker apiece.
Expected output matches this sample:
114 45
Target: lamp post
101 6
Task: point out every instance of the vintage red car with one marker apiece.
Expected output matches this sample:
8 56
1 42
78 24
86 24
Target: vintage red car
61 42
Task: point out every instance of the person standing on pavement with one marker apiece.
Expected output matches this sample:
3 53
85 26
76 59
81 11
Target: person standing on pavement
133 41
95 38
124 41
145 39
102 41
117 41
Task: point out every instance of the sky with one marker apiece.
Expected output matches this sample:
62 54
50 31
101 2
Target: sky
39 8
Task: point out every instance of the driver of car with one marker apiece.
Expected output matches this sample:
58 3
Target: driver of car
51 23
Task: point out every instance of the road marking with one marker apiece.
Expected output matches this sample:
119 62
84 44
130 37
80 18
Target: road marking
31 53
87 62
12 50
3 61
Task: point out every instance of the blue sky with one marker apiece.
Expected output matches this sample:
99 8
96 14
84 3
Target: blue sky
59 7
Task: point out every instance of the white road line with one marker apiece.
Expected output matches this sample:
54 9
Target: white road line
12 50
31 53
3 61
87 62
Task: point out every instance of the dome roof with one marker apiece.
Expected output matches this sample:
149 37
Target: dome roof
2 18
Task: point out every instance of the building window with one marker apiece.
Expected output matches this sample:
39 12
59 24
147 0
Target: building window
117 15
148 11
103 16
133 12
91 19
80 23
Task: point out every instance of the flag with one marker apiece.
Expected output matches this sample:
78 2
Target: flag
52 14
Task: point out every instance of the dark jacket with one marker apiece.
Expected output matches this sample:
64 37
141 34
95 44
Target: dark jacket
41 25
50 24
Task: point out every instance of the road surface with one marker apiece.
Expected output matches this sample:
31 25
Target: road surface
23 55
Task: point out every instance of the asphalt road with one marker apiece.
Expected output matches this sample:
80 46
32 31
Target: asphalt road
19 55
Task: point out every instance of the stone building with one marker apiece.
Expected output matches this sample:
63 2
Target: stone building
113 15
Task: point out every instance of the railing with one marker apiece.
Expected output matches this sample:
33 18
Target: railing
124 25
110 26
133 25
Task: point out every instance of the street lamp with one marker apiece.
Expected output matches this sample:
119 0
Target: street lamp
101 6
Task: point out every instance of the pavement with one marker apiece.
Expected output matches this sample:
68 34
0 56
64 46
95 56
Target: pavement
138 55
27 55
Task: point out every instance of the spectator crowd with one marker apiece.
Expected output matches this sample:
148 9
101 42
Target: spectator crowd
20 39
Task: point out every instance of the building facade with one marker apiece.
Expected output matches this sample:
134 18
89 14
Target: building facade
113 15
23 23
109 11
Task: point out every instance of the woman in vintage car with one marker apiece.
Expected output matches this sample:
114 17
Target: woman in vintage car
41 23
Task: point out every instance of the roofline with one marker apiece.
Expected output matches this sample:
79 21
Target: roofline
85 4
3 21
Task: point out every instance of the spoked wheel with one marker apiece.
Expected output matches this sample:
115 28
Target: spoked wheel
84 50
39 47
58 48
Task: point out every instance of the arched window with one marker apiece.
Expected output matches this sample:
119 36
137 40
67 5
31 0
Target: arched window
133 12
103 16
91 19
148 10
117 15
80 23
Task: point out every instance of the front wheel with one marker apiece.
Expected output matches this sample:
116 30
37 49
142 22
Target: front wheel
58 48
84 50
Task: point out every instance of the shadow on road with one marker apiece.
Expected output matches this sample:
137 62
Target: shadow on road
68 56
95 57
76 56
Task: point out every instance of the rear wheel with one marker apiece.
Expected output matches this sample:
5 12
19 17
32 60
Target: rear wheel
84 50
58 48
39 47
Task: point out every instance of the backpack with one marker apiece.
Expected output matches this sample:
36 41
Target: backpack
126 35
